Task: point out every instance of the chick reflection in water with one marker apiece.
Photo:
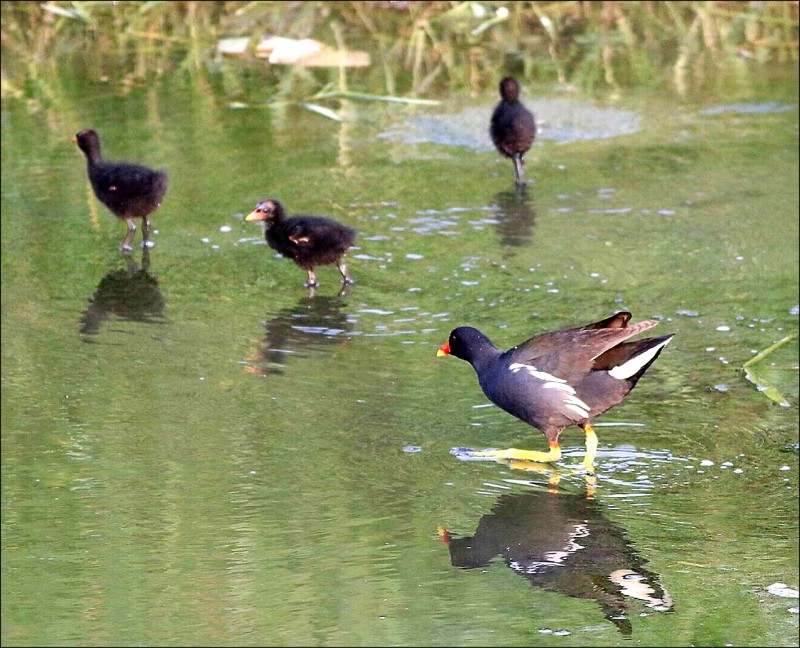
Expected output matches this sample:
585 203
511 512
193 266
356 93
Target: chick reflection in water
515 217
562 543
132 294
313 323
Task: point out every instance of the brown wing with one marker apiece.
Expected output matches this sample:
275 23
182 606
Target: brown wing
545 343
570 354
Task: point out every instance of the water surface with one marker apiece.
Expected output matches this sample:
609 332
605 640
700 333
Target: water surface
196 451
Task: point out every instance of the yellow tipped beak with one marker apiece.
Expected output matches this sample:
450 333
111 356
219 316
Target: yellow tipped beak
254 215
443 350
440 353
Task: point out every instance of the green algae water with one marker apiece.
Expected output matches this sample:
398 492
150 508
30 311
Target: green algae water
197 451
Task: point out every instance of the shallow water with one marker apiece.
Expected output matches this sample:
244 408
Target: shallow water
197 451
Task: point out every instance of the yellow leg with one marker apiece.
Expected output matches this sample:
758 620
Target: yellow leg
554 454
591 448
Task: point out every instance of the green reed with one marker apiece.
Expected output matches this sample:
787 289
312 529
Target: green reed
417 48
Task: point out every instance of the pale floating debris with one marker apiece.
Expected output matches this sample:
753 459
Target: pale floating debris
666 212
721 387
205 240
711 348
785 468
414 256
723 328
794 310
562 633
738 471
287 51
794 610
706 462
412 448
687 313
235 46
782 589
226 228
308 52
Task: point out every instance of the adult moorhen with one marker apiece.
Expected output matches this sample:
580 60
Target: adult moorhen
129 190
513 127
307 240
558 379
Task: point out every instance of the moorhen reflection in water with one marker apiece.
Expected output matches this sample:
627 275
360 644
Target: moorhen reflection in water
131 293
563 543
515 217
314 323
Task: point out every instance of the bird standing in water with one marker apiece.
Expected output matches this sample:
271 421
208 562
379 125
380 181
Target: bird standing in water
130 191
307 240
558 379
513 127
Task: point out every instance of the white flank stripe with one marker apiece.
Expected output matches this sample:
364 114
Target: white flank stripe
560 386
577 405
632 366
533 371
570 400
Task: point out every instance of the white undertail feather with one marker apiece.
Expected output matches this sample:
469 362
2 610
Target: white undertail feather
634 365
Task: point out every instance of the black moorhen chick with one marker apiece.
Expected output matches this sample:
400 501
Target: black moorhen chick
513 127
558 379
128 190
307 240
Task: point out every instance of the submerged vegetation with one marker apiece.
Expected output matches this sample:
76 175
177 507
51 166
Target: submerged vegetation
417 48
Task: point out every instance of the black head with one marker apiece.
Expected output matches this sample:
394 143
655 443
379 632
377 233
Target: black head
267 210
468 344
509 89
88 141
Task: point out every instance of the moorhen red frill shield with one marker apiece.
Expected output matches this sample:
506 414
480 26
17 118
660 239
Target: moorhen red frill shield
513 127
309 241
129 190
558 379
